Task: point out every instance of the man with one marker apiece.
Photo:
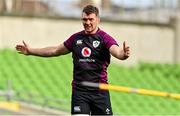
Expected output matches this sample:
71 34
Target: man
91 49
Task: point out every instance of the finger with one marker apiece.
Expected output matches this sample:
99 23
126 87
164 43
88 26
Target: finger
127 55
127 51
127 48
24 43
124 45
19 46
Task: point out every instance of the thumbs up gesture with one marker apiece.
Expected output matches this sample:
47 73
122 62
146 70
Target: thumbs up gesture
23 48
126 50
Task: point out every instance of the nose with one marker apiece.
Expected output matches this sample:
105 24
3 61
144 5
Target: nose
88 22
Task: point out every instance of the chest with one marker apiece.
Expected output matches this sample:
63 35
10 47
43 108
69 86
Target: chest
88 46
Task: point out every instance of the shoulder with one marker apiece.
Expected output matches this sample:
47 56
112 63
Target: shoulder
77 34
107 39
104 35
68 43
101 33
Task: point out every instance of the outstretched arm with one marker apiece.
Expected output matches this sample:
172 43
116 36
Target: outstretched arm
120 53
43 52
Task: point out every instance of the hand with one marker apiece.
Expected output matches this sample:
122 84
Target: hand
126 50
23 49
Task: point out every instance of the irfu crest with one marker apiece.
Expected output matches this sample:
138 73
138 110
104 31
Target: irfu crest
96 44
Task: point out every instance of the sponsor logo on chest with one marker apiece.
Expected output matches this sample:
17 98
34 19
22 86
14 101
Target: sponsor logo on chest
86 52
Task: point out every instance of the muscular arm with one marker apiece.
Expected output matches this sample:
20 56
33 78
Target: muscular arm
49 51
43 52
120 53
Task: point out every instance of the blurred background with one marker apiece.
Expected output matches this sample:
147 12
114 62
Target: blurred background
35 85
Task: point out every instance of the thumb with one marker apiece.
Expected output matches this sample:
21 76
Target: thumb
24 43
124 46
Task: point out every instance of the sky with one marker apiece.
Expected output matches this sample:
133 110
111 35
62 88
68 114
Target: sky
131 3
62 5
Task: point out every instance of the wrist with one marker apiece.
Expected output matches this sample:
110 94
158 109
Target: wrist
29 51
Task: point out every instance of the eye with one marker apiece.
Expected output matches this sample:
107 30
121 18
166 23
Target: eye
84 19
91 19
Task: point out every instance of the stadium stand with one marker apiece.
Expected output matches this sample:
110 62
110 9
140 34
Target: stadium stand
47 82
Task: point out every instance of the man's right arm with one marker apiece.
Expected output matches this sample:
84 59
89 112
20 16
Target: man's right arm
43 52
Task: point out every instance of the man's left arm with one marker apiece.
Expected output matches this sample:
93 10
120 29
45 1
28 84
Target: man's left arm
120 53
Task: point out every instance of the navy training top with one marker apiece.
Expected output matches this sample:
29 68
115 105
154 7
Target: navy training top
91 57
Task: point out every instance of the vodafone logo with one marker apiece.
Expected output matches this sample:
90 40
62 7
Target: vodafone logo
86 52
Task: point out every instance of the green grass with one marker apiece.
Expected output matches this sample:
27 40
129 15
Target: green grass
42 80
146 76
48 78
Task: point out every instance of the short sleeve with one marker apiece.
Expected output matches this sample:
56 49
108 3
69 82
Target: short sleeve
109 41
69 41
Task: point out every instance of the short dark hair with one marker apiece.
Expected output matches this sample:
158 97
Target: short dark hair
89 9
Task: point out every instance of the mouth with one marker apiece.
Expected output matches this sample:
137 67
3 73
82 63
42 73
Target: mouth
87 27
